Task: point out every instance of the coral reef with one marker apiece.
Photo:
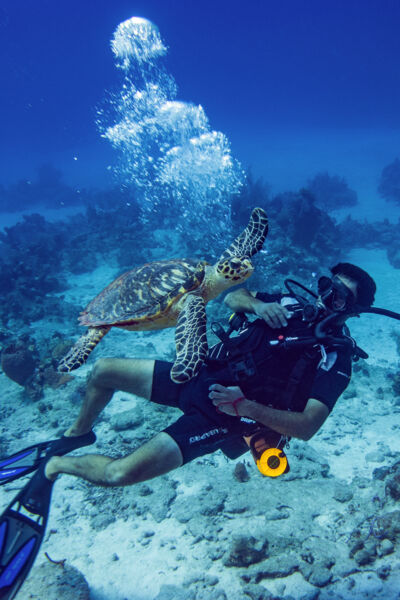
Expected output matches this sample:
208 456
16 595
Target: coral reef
254 192
56 581
383 234
331 192
389 183
37 257
18 362
32 366
396 385
305 225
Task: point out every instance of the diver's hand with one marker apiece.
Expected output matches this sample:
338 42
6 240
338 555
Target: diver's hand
273 313
228 400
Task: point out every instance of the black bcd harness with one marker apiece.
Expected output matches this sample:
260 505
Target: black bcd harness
243 360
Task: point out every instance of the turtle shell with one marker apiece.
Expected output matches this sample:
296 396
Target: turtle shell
144 293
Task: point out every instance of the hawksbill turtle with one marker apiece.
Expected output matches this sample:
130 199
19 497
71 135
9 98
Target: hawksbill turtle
169 293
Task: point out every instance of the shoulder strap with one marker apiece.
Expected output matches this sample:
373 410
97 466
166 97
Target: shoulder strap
296 377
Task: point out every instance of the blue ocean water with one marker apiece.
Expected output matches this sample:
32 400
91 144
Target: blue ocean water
138 131
296 87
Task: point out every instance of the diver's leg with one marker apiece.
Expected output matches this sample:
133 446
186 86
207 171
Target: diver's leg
158 456
109 374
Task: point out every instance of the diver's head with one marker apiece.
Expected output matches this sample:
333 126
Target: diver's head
350 287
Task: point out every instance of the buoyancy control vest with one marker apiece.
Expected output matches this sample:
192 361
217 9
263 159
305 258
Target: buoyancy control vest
265 368
275 367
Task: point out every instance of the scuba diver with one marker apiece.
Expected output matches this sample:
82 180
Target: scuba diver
278 377
253 380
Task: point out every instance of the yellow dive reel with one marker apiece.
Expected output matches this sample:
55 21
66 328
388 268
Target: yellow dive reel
266 448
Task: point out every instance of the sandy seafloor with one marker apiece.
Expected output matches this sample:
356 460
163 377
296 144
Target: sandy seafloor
130 557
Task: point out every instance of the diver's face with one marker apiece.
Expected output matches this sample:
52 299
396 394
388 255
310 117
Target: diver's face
351 285
338 293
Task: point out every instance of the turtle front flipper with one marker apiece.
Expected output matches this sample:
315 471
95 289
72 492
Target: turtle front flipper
190 339
81 350
251 239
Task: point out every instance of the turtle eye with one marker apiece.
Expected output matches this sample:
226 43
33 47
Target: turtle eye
235 263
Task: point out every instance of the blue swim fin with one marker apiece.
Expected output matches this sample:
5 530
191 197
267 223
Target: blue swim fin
22 527
25 461
22 463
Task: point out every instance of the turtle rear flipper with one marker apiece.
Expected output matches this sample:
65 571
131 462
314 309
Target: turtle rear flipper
251 239
81 350
190 339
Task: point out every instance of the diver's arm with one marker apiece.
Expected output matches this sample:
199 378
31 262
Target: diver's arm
302 425
273 313
242 300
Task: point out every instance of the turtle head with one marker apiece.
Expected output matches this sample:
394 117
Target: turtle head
235 269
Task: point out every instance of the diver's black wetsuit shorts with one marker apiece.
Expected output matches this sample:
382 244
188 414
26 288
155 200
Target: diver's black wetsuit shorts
201 429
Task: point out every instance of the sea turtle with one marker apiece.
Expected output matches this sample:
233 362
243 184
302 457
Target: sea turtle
167 293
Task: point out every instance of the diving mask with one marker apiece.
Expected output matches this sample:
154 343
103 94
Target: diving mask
335 294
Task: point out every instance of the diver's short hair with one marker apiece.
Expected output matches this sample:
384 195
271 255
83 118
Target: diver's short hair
366 286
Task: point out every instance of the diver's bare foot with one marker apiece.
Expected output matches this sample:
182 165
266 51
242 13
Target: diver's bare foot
71 432
51 471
